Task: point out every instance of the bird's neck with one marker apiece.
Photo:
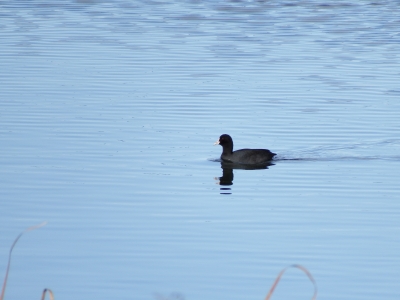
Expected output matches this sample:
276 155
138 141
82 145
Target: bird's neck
227 150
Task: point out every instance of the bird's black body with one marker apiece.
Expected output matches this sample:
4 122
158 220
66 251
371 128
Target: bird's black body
243 156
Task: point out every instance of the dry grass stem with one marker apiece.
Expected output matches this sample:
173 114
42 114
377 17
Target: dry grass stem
45 291
3 290
278 278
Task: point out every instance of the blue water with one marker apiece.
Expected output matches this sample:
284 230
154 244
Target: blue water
108 115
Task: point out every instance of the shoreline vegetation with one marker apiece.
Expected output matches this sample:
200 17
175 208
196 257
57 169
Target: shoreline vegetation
51 295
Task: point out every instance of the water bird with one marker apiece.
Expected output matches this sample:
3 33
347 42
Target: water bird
242 156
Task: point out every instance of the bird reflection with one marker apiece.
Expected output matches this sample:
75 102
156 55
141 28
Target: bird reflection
227 174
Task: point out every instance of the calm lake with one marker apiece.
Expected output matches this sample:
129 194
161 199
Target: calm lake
108 115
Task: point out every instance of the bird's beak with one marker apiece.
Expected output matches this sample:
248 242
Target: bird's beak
216 143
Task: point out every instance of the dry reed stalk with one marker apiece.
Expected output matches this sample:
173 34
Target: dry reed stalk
278 278
3 290
45 291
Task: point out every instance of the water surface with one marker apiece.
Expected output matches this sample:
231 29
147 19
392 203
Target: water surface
108 114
